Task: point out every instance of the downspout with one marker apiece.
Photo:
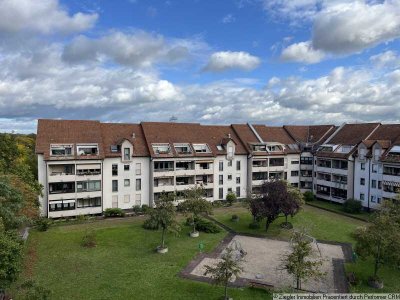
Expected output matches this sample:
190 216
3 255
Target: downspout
369 183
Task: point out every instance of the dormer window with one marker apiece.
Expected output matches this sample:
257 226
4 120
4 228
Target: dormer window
220 148
61 150
326 148
84 150
161 148
259 148
183 148
346 149
115 148
274 148
127 153
201 148
361 153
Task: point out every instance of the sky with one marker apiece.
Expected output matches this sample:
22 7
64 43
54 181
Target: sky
215 62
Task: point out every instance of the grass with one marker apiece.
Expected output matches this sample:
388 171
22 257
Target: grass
337 207
323 225
123 265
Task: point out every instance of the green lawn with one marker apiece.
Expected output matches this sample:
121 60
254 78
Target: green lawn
339 208
122 266
322 225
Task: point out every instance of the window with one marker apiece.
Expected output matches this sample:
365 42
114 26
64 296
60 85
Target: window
362 181
114 148
183 148
61 150
379 184
162 166
294 173
201 148
237 180
379 200
138 199
221 165
89 202
229 177
61 187
295 184
362 197
306 160
362 166
114 201
229 190
127 182
127 153
127 198
126 167
115 185
373 184
221 193
238 165
294 162
374 168
373 199
221 179
229 163
238 191
138 168
161 148
88 186
276 162
84 150
114 170
62 205
138 184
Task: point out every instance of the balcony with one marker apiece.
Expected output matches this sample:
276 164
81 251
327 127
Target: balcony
260 164
276 162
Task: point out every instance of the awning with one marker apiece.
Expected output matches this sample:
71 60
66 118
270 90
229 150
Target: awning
88 166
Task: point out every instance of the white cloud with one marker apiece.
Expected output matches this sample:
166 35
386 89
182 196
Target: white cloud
227 60
137 49
302 52
293 10
350 27
386 59
229 18
44 16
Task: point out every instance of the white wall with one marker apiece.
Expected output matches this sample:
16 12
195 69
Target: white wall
42 178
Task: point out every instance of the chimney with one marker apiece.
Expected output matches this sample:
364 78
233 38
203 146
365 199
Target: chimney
229 135
133 135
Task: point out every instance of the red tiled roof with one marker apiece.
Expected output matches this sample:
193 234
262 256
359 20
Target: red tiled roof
310 134
352 134
270 134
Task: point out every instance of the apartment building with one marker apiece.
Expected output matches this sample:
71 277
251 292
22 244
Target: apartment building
86 167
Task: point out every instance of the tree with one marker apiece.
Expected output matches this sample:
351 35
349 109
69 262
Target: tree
291 203
10 257
164 215
381 239
230 198
309 196
301 263
225 270
195 204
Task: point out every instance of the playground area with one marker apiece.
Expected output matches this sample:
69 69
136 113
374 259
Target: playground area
262 264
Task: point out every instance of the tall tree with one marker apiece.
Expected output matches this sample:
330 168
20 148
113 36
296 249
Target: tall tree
223 272
195 204
164 216
302 262
10 257
381 239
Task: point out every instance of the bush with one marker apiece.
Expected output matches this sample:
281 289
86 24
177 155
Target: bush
218 203
235 218
255 225
203 225
32 291
137 209
146 209
43 224
114 212
150 224
308 196
352 206
230 198
89 239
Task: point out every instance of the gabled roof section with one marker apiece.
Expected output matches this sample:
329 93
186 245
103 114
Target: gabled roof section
352 134
310 134
116 133
270 134
193 133
68 132
246 135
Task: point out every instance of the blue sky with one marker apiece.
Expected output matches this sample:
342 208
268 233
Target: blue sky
262 61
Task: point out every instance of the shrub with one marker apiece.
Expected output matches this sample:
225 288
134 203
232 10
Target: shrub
89 239
203 225
150 224
137 209
146 209
255 225
218 203
32 291
308 196
235 218
43 224
230 198
114 212
352 206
